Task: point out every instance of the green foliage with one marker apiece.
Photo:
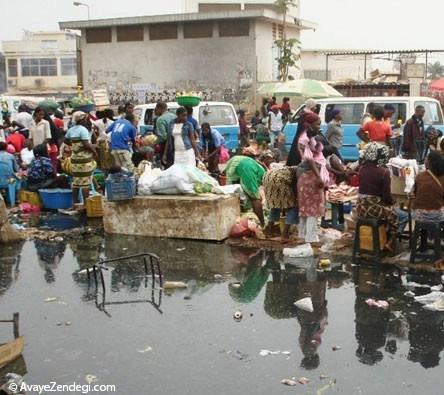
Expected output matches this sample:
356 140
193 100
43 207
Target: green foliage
435 70
288 57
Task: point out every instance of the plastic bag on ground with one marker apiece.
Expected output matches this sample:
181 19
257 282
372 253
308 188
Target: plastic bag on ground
305 304
429 298
243 228
302 251
146 180
436 306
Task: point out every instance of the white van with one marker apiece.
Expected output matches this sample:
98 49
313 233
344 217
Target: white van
353 109
220 115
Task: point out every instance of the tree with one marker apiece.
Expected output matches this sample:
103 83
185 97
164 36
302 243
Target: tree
287 56
435 70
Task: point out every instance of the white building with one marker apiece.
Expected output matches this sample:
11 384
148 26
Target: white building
41 63
345 67
217 51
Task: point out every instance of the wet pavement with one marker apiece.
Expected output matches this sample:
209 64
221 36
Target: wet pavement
185 341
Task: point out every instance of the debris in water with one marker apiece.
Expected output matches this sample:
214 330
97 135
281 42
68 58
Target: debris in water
303 380
438 305
146 349
429 298
238 315
59 323
67 323
49 300
90 378
323 377
336 348
239 355
325 262
437 288
380 304
181 249
174 285
409 294
305 304
218 277
289 382
264 353
331 384
235 285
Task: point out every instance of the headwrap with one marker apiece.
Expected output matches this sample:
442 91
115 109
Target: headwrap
376 153
310 104
78 116
311 117
335 113
266 154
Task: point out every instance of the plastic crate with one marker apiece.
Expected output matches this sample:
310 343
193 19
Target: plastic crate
120 187
55 199
94 206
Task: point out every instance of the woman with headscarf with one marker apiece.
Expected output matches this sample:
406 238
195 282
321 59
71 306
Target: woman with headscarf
313 177
375 198
82 158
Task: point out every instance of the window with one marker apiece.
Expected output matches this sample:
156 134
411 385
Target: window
433 113
217 115
98 35
69 66
236 28
351 112
39 67
12 68
166 31
130 33
48 44
198 30
400 110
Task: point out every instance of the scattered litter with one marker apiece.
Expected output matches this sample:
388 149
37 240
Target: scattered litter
437 287
412 285
429 298
146 349
409 294
181 249
67 323
90 378
239 355
264 353
438 305
380 304
336 348
302 251
218 277
235 285
325 262
323 377
305 304
49 300
124 248
238 315
331 384
303 380
59 323
174 285
289 382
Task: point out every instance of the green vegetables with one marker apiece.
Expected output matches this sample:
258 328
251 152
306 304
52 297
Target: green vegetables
200 187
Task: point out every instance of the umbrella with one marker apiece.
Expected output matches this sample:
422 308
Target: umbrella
306 88
437 85
49 105
268 88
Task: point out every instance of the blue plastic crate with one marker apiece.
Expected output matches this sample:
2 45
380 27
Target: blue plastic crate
120 187
54 199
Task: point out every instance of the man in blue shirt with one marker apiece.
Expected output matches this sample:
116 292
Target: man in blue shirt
192 120
123 138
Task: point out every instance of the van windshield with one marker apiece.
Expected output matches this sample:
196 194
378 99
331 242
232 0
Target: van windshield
433 113
217 115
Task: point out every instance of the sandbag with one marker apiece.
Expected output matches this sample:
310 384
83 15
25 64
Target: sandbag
146 179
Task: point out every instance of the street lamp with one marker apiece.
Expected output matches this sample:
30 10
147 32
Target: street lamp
79 4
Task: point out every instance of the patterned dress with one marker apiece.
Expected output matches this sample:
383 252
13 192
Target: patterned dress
82 162
280 188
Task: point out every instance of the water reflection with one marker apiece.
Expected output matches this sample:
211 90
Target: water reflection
87 249
9 265
49 254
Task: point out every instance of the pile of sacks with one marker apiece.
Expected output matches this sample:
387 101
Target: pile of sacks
178 179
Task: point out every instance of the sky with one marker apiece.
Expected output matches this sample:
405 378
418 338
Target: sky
342 24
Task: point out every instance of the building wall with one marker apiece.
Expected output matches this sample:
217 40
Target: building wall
42 45
2 74
340 67
217 64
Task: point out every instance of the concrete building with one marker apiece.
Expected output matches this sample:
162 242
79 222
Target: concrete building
2 73
223 53
340 68
41 63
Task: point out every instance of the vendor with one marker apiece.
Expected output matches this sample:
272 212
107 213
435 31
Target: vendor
8 163
375 199
211 144
335 133
41 172
313 178
428 192
280 187
413 136
250 174
377 130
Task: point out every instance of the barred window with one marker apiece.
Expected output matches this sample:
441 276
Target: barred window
39 67
69 66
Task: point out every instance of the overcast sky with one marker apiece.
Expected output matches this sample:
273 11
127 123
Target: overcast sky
342 24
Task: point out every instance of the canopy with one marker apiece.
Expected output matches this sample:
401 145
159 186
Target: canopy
268 88
437 85
306 88
49 105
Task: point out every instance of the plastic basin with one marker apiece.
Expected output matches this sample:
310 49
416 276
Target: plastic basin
188 101
54 199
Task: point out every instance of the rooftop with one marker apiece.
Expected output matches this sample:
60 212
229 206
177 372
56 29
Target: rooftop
186 17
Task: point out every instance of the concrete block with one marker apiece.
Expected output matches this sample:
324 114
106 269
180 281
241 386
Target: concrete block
204 217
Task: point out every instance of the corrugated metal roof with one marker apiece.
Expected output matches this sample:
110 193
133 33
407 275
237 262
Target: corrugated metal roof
391 52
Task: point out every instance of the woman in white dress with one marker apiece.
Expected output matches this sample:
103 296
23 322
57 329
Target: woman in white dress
181 146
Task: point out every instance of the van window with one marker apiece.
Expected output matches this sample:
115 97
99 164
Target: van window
400 110
351 112
433 113
217 115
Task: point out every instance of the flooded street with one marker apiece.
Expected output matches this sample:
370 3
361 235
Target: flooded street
185 341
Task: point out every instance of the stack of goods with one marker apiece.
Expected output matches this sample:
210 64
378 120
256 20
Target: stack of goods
404 172
342 193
